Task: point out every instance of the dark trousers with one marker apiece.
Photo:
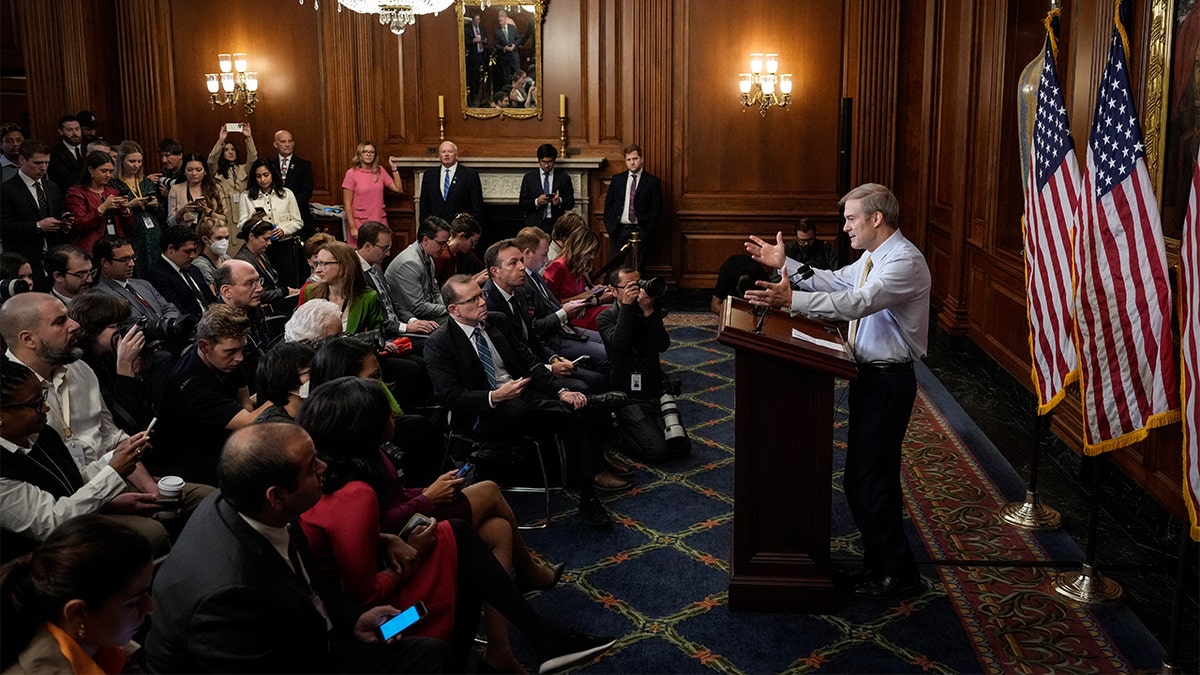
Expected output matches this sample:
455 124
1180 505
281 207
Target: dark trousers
581 431
881 404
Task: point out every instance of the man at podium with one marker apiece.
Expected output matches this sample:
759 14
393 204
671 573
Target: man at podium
885 297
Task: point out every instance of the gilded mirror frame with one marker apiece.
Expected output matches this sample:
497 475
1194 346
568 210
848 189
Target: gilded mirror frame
1158 129
538 10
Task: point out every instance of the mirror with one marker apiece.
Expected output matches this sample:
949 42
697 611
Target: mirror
500 58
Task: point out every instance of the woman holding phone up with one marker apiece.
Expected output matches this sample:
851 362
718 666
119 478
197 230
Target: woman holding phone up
197 197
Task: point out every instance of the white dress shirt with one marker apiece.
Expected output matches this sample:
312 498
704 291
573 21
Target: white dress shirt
502 374
892 305
628 194
92 429
33 512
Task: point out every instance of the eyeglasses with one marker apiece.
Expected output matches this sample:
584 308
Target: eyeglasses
318 264
125 259
473 299
251 283
35 404
82 276
442 244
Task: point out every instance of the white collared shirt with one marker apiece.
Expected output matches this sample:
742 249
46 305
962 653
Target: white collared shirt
93 432
892 305
279 538
442 175
502 374
32 190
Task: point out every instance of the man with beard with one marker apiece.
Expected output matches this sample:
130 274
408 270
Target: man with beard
67 158
40 335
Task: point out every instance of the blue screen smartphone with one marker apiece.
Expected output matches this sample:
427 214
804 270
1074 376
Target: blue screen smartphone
464 470
392 627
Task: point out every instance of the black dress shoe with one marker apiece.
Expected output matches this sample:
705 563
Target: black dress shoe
882 588
595 513
606 482
852 576
608 402
558 572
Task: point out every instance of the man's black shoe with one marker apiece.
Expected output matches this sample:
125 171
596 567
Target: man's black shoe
615 466
608 402
882 588
571 650
594 512
852 576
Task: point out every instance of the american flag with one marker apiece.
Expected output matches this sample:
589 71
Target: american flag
1189 322
1051 203
1123 302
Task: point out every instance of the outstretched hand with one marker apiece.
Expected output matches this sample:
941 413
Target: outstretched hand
771 295
771 255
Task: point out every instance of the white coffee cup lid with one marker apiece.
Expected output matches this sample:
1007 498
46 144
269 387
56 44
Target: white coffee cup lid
173 483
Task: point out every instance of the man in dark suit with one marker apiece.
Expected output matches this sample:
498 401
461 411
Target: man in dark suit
475 40
239 594
67 158
174 276
30 206
451 188
494 385
296 174
545 193
507 41
634 200
506 273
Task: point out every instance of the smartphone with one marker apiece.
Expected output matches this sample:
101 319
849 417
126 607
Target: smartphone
580 359
392 627
464 470
413 523
596 290
234 126
150 427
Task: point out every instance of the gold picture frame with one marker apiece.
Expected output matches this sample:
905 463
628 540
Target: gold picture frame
478 75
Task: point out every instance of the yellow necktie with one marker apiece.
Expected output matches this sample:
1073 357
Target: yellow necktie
853 334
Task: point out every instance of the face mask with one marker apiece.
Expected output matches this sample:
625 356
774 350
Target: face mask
303 392
219 247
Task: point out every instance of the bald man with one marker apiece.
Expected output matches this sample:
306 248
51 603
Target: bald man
297 176
451 189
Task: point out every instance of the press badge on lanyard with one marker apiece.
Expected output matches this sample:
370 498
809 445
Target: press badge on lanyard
635 382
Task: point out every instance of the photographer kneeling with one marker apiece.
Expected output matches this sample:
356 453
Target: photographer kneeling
634 337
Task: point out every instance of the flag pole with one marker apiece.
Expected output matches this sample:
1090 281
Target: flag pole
1088 586
1031 514
1170 667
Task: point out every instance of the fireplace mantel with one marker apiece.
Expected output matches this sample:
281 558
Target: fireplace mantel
501 176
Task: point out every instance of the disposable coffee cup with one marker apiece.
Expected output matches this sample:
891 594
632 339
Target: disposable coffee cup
171 488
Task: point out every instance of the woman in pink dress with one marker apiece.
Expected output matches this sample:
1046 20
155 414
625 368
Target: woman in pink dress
569 277
362 190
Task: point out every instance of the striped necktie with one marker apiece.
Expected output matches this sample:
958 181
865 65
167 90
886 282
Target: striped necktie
485 355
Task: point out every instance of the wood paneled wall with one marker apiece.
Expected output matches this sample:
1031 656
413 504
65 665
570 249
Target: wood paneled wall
932 84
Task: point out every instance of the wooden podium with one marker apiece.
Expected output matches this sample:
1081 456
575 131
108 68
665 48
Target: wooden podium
782 460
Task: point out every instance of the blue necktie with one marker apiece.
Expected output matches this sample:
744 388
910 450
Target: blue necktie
446 186
485 355
546 190
545 292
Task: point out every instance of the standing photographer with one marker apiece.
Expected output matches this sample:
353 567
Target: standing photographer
634 337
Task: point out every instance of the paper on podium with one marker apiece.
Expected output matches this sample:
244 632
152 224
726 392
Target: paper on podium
798 335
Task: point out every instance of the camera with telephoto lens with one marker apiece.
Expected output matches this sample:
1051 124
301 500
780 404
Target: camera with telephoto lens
11 287
163 329
678 442
654 287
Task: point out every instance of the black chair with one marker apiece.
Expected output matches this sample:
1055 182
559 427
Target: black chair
510 464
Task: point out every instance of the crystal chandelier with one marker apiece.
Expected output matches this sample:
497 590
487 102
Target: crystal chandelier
395 14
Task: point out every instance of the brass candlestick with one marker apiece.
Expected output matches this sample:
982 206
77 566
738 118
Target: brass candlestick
562 135
441 128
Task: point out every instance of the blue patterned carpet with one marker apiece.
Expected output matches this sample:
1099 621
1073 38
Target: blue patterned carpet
658 579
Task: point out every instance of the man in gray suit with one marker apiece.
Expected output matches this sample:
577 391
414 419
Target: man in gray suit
410 276
116 259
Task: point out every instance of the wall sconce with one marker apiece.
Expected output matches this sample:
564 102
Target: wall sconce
758 87
234 80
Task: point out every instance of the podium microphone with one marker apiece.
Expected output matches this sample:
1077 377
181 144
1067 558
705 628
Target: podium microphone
802 273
